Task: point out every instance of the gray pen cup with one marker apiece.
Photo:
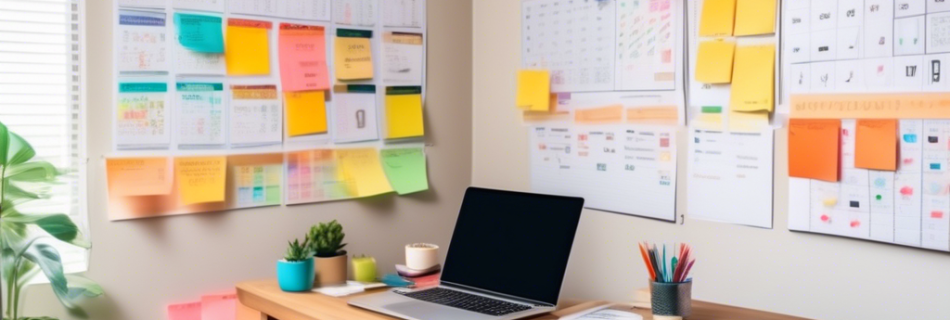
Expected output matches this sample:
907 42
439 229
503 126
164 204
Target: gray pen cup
672 299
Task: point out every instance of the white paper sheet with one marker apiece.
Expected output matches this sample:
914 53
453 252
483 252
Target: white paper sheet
730 177
151 4
202 5
355 12
201 117
649 33
256 116
355 117
142 116
141 45
402 58
294 9
627 169
403 13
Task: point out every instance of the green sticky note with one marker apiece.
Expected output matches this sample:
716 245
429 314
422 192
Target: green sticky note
406 169
273 195
200 33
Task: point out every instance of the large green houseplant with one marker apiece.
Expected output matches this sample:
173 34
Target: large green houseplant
26 229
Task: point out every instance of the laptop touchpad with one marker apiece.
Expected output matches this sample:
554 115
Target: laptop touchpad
422 310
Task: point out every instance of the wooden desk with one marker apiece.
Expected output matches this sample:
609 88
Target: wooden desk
267 298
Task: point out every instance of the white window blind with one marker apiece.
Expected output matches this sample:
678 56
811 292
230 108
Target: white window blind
42 98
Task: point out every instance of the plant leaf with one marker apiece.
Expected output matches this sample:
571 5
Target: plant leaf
36 171
48 259
19 151
4 144
80 286
61 227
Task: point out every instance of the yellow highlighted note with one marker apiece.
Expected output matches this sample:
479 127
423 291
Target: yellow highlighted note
201 179
755 17
139 176
609 114
404 112
362 171
714 62
354 55
753 79
534 90
306 112
871 106
748 121
718 18
246 47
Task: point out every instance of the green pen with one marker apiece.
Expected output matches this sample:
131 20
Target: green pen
674 269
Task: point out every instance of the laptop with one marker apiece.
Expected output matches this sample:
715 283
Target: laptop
506 261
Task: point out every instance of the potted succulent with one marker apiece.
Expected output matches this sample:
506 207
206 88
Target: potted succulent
295 271
326 241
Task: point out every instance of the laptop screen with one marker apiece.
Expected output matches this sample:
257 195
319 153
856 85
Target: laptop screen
512 243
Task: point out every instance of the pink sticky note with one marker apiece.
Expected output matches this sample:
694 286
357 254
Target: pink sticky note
303 58
185 311
219 306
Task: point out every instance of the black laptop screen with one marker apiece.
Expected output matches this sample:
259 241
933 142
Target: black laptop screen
513 243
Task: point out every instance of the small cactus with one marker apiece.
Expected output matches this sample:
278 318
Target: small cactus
326 239
297 251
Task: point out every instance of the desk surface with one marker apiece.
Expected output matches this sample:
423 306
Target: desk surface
265 296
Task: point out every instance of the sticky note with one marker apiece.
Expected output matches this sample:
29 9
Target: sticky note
201 179
406 169
139 176
755 17
534 90
306 112
303 58
748 121
246 47
718 18
363 172
404 112
753 79
876 145
185 311
814 149
200 33
219 307
354 54
714 61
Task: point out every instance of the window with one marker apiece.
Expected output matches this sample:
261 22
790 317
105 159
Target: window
42 97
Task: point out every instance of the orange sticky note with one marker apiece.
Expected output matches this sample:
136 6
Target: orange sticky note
814 149
219 307
246 49
714 61
534 90
876 145
755 17
201 179
185 311
139 176
306 112
718 18
303 58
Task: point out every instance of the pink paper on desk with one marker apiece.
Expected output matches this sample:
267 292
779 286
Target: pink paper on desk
185 311
219 306
303 58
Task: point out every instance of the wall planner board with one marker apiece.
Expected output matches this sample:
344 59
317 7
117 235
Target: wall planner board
617 71
238 91
875 70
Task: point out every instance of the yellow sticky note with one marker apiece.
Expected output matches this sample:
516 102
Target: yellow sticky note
201 179
139 176
246 50
306 112
362 171
354 55
534 90
755 17
404 112
753 79
830 202
714 61
718 18
748 121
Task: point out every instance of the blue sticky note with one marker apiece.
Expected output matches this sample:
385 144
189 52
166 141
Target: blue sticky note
910 138
200 33
934 166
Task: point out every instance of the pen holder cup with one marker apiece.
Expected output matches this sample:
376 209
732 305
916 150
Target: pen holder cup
672 299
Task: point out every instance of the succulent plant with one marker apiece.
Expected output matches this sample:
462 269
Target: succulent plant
297 251
326 239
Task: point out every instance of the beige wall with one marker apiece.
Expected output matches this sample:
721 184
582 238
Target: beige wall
801 274
146 264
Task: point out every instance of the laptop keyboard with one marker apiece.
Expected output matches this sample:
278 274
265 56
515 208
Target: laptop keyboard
466 301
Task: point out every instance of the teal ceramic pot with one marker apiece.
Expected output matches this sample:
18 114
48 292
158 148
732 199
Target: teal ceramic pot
295 276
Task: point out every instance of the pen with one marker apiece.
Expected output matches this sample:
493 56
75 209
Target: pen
665 275
646 261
